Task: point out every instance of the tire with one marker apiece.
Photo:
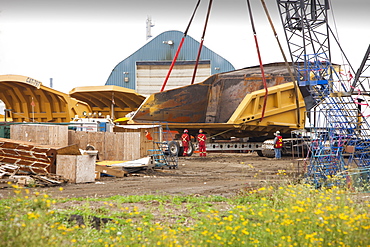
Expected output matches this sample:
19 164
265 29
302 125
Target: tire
268 149
268 153
190 150
174 148
259 152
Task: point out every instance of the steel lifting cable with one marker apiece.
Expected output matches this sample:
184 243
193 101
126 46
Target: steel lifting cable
179 47
201 42
285 61
260 61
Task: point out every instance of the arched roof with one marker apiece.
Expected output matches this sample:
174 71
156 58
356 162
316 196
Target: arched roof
158 49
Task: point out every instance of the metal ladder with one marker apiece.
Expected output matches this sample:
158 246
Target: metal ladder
161 156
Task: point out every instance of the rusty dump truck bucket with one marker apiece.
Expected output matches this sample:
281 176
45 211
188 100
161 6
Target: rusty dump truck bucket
230 104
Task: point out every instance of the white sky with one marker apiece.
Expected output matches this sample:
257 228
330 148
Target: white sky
79 42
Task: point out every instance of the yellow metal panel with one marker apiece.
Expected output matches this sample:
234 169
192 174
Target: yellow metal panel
281 108
31 101
103 98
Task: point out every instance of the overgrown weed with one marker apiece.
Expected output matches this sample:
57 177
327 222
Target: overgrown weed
285 215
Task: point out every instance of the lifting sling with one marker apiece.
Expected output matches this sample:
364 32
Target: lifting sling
179 48
260 61
201 42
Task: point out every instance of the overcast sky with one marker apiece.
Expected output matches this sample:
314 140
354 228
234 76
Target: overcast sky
79 42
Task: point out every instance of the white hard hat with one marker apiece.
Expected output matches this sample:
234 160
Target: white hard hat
277 133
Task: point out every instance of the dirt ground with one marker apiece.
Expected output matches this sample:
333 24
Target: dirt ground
217 174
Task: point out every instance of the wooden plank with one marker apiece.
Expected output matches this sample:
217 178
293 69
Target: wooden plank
69 150
43 134
119 173
58 135
85 168
14 132
96 139
72 138
80 138
7 169
104 142
66 167
113 146
17 132
19 155
40 134
131 145
109 147
120 149
84 138
76 168
144 142
29 156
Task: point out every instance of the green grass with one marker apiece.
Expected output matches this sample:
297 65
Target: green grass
291 215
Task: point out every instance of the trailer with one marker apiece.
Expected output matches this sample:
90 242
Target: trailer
229 105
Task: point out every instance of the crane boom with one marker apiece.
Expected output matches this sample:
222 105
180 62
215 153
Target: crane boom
340 136
306 29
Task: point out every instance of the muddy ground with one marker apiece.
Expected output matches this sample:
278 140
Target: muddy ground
217 174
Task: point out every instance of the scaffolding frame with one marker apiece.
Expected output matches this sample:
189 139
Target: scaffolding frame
337 107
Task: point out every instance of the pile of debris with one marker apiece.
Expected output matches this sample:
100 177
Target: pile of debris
28 163
122 169
31 164
12 174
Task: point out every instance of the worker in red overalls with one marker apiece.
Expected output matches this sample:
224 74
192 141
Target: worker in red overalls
202 143
185 138
278 144
148 135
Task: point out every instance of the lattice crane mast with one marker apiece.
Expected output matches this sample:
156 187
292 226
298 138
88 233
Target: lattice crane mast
340 141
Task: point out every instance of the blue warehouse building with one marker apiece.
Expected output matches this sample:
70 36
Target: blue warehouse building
146 69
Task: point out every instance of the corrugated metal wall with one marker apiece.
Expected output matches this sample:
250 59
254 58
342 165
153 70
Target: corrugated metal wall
158 49
149 75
